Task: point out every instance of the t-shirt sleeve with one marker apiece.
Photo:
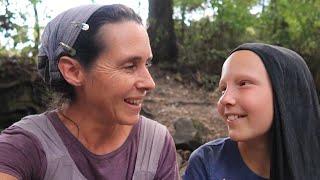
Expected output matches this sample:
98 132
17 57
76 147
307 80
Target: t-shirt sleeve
167 166
196 168
21 154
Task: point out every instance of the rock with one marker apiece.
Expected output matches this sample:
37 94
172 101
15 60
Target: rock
185 136
182 159
183 169
179 159
145 111
178 77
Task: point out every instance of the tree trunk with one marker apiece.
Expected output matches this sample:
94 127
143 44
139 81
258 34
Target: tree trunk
263 5
161 31
36 29
183 18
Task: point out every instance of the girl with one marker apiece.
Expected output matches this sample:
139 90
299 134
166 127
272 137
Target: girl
271 108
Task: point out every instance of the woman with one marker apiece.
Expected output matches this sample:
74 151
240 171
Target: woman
271 108
97 58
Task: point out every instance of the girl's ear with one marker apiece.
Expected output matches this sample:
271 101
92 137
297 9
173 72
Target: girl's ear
71 70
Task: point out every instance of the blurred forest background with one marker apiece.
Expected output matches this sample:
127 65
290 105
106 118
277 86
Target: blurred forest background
189 37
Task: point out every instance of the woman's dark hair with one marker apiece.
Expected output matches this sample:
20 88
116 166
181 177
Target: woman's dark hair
88 45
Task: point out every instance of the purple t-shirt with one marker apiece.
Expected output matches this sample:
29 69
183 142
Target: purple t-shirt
22 155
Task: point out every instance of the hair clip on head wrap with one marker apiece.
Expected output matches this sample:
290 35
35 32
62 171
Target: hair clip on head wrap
68 49
83 26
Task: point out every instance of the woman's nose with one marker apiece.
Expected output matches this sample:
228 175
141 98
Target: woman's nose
146 81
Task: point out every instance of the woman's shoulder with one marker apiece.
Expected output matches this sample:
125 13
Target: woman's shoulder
150 122
153 130
20 152
18 136
15 140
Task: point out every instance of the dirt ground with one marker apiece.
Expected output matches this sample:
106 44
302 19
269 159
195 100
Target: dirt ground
174 98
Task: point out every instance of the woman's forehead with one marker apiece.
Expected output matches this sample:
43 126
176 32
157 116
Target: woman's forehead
124 36
123 41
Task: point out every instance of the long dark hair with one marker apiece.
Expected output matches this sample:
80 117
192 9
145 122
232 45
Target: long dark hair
296 125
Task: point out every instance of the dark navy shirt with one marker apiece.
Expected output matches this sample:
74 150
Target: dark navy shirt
218 160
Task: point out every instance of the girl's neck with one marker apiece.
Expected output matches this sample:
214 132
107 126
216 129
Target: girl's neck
256 155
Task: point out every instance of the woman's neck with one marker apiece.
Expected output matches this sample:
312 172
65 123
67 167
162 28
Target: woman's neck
256 155
94 132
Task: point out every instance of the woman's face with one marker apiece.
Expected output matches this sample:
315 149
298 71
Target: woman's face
246 103
119 80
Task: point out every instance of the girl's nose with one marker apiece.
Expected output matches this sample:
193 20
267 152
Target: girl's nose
227 98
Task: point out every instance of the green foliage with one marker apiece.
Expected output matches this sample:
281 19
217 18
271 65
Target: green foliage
188 5
294 24
204 44
14 27
6 17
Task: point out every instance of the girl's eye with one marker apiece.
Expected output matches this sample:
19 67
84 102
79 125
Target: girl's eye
243 83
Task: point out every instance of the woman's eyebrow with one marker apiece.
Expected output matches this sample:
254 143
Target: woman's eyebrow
134 59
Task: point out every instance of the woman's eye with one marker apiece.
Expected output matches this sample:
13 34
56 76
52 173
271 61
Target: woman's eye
130 66
222 90
148 64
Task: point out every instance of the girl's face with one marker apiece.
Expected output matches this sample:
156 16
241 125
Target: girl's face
246 103
117 83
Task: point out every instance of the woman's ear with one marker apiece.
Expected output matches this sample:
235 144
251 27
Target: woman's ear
71 70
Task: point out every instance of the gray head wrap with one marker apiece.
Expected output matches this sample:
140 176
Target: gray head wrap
59 36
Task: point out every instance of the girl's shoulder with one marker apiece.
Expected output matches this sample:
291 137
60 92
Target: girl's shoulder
207 160
218 142
216 145
211 152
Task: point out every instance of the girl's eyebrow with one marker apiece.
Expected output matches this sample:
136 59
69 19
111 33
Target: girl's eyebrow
242 76
246 76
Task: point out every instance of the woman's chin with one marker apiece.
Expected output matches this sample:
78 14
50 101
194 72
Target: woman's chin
129 120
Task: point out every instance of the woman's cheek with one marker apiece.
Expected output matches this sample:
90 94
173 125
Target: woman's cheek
220 108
